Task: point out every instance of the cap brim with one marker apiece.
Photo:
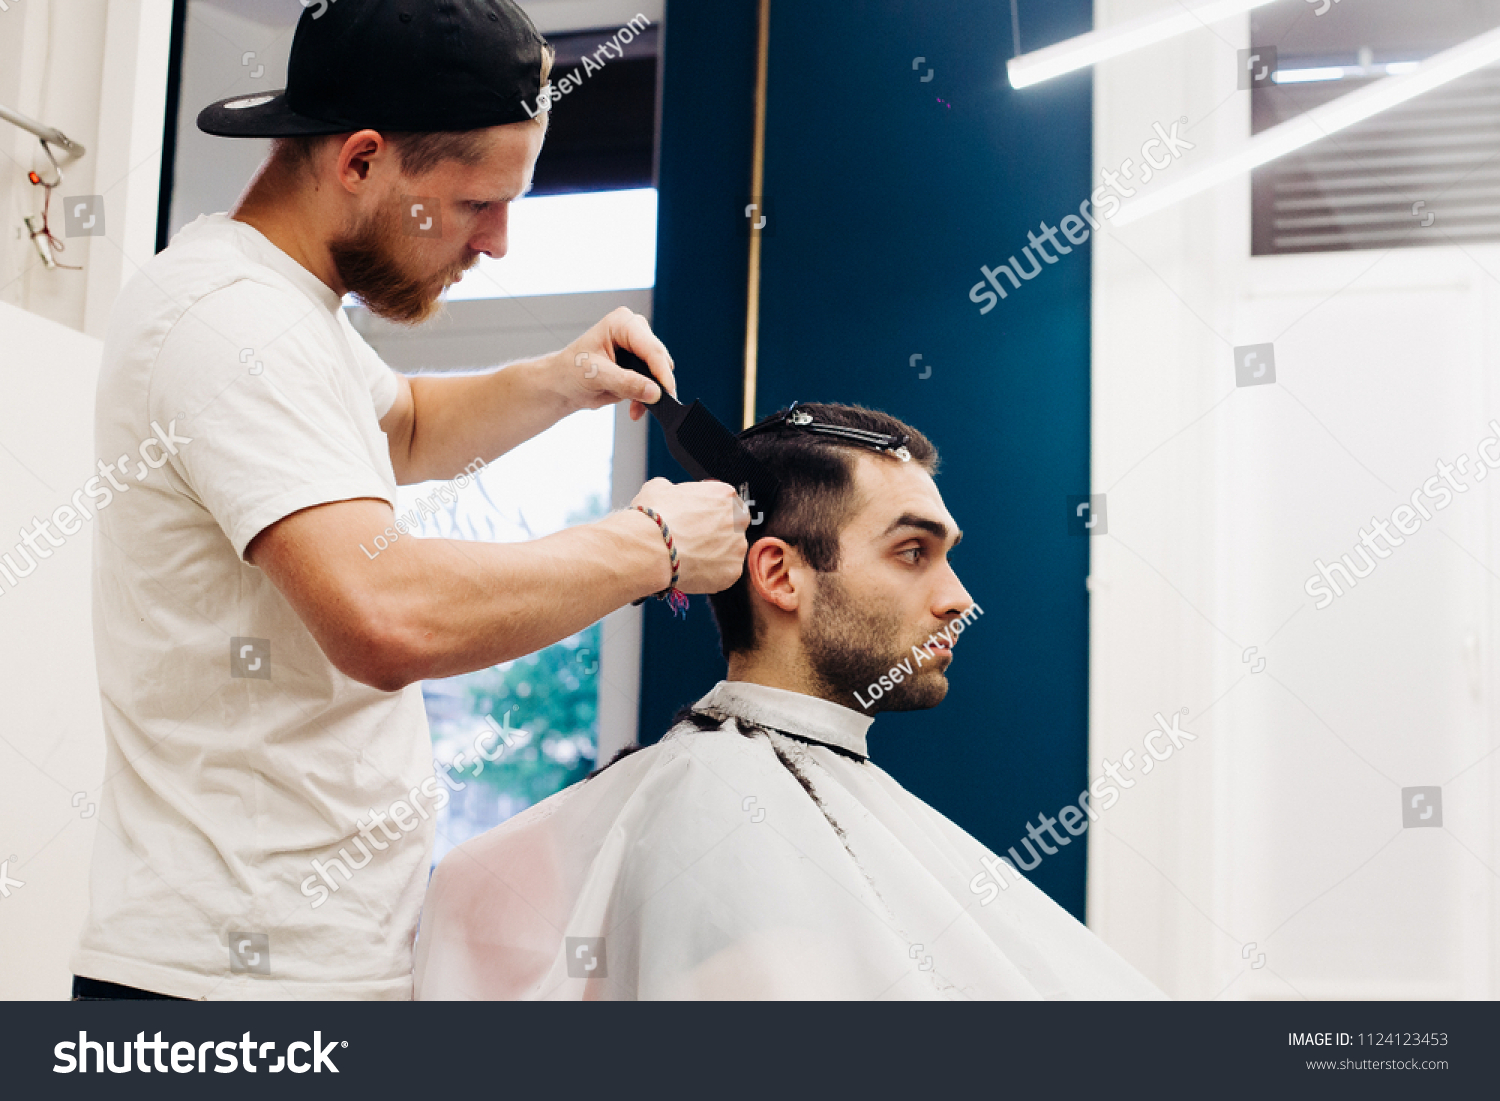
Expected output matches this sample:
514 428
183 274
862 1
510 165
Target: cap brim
264 115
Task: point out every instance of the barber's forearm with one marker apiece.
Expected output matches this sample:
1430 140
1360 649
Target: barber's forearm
449 607
459 419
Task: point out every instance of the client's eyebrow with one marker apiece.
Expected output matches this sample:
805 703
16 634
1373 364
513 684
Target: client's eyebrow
921 523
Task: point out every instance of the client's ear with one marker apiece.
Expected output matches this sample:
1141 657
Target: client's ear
771 567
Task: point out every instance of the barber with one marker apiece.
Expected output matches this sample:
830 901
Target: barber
268 810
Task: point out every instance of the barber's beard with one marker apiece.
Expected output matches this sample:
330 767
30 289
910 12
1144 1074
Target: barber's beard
375 263
850 648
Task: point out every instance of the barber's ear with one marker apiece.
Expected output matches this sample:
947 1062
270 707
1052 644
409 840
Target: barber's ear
770 565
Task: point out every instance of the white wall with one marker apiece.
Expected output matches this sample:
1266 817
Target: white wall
51 736
97 71
1280 826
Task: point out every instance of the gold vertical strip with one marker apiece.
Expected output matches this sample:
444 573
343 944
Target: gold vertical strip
757 176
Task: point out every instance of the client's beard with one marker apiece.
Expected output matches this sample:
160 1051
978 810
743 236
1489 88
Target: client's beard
850 649
369 261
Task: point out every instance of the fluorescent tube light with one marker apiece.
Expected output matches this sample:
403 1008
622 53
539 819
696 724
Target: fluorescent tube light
1307 76
1095 46
1330 118
1339 72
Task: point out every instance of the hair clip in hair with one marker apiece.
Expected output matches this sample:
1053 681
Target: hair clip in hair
801 418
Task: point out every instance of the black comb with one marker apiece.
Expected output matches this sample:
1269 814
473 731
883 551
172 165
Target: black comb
705 448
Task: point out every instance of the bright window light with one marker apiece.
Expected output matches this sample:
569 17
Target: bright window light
1329 118
569 244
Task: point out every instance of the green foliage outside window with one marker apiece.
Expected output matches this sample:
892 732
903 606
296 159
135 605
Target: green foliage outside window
546 706
545 709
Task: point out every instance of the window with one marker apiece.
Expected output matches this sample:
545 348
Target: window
1419 174
571 244
511 735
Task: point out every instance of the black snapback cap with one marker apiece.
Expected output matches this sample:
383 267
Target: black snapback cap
416 65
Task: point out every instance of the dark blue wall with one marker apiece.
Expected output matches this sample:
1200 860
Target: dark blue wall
887 193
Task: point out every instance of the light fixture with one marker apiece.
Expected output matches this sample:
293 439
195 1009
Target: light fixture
1132 34
1321 121
1305 76
1339 72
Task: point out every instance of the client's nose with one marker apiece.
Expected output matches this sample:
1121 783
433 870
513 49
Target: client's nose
952 599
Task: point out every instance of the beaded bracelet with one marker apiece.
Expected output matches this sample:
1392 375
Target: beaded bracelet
676 599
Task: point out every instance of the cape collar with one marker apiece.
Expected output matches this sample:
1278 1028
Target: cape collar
808 717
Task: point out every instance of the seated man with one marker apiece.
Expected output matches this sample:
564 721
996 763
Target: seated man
756 851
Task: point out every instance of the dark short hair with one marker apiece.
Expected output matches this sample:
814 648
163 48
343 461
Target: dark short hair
417 152
817 498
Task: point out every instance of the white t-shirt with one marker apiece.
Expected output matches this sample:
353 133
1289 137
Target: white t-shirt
240 762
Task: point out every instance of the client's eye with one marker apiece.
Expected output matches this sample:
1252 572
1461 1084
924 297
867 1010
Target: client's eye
480 207
919 552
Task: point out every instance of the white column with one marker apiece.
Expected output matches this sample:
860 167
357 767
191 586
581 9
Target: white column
127 150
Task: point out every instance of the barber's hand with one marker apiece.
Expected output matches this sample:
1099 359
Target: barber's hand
587 376
708 522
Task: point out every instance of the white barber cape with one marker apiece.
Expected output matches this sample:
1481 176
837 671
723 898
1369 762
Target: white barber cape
701 867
